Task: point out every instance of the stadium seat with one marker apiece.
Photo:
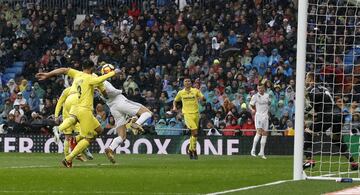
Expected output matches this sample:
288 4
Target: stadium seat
19 64
16 70
7 76
10 70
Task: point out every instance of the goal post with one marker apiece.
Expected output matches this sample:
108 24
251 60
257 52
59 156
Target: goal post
328 45
300 90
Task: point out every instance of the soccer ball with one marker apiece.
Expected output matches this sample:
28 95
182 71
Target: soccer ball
106 68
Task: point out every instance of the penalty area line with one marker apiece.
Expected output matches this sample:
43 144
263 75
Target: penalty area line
249 187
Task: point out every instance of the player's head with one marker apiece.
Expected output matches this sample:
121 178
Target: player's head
88 65
310 79
187 82
261 88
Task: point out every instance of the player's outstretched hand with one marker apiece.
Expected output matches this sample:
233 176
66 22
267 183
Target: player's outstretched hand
117 71
42 76
57 120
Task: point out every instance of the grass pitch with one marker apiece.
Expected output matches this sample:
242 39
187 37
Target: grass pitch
39 173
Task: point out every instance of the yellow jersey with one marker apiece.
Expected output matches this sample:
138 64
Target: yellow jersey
84 84
189 100
61 101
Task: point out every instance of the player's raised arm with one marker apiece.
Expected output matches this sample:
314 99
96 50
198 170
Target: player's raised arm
176 99
45 75
100 79
61 101
200 96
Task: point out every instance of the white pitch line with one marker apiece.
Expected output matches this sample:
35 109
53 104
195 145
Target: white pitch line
91 192
340 173
249 187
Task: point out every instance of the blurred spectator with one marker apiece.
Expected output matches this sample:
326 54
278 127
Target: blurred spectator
248 128
156 45
110 123
290 129
160 127
231 129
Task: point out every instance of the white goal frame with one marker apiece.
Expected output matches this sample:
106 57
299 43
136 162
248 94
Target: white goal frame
300 90
298 173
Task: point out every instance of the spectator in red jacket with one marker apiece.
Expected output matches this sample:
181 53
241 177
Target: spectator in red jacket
134 11
230 130
246 127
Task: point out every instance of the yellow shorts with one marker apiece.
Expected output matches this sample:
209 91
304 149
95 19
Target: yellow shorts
70 101
88 123
192 120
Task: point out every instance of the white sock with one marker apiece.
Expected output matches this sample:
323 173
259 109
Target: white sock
143 117
115 143
255 141
262 144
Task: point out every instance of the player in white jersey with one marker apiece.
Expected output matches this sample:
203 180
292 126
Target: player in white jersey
120 107
260 103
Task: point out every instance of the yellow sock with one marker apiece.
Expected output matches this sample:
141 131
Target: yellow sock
67 123
66 147
78 138
80 147
191 146
193 143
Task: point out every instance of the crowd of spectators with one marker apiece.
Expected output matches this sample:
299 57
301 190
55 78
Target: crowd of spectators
227 48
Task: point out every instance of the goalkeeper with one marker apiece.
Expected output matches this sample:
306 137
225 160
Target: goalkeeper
326 115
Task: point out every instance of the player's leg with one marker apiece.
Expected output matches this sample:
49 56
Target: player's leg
144 114
264 134
120 122
56 133
337 140
193 141
257 136
192 121
110 151
77 139
68 122
133 108
317 126
87 123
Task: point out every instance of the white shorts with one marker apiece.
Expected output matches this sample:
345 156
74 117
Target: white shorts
121 107
262 122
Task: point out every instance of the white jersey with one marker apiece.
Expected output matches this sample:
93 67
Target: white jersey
120 106
112 92
261 103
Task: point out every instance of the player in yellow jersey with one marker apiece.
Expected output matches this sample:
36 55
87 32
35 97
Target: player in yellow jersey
83 87
65 103
190 97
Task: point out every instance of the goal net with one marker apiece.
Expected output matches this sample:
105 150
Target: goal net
331 138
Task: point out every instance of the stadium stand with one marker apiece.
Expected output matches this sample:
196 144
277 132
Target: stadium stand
227 48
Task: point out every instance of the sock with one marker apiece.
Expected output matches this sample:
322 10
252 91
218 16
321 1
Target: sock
78 138
194 143
192 146
262 144
80 147
308 145
66 147
143 117
115 143
67 123
255 141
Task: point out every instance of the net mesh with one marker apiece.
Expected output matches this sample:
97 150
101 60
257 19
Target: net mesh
333 56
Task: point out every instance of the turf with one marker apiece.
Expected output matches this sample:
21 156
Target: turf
152 174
